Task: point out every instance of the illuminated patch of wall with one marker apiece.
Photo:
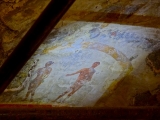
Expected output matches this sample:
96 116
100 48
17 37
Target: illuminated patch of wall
87 64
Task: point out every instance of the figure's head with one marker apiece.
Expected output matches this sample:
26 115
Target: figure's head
95 64
48 63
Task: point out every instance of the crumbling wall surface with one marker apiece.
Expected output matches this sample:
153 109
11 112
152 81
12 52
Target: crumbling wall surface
133 12
16 17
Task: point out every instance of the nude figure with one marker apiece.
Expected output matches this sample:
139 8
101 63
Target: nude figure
42 73
85 75
26 80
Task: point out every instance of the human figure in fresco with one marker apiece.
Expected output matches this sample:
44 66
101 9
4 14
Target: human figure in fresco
26 80
85 75
42 73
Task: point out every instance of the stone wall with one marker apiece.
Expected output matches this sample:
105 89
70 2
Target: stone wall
16 17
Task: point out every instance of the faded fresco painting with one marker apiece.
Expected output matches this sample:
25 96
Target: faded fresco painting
91 64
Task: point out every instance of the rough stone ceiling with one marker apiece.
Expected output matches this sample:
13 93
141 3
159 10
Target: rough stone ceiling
16 16
134 12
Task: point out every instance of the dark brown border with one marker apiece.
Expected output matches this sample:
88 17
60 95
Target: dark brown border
31 41
47 112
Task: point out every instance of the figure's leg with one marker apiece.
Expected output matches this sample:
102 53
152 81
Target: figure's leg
74 90
27 94
32 94
29 91
60 96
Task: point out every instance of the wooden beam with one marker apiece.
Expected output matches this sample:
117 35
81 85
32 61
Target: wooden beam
32 40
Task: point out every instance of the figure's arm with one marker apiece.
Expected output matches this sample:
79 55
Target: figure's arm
47 73
74 73
45 76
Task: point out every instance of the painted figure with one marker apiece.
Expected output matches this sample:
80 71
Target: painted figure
26 81
42 73
85 75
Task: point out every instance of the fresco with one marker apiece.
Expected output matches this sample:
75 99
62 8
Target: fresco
91 64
